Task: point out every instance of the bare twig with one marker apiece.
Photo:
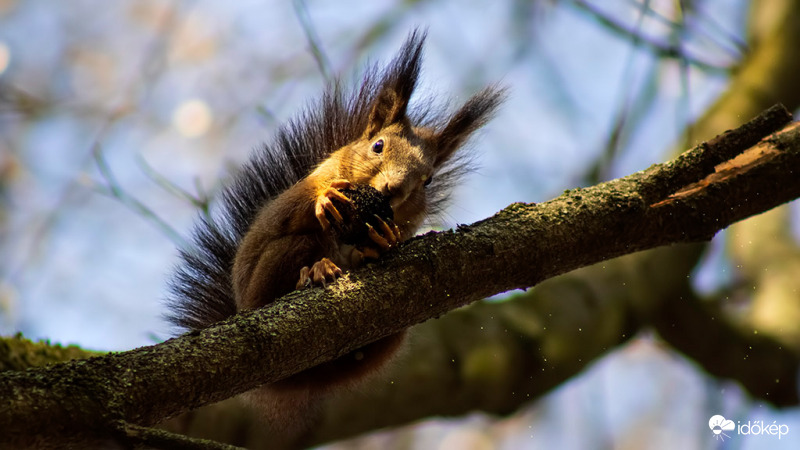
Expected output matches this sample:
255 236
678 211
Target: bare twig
313 40
113 189
660 48
598 171
200 201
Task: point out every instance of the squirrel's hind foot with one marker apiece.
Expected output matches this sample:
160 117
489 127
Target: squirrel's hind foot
321 272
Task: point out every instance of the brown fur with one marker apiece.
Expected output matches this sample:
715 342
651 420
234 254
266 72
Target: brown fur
273 227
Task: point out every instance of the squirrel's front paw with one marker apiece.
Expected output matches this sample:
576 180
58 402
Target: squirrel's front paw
325 204
322 271
387 234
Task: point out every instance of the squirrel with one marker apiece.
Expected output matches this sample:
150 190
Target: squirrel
275 228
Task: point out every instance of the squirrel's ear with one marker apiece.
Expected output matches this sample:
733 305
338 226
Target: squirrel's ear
396 86
388 108
473 115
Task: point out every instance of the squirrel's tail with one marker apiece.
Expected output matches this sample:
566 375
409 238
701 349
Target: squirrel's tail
290 414
201 291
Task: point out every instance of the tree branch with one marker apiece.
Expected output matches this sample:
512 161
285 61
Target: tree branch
762 365
517 248
152 438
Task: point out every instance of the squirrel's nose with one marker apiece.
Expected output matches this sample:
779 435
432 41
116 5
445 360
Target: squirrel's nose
395 192
391 189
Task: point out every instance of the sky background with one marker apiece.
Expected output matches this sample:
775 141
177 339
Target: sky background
187 89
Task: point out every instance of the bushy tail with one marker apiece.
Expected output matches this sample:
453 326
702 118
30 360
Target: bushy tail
201 291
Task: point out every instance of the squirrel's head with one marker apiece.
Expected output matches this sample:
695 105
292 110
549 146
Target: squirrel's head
402 155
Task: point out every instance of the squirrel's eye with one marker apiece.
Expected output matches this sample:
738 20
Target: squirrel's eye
377 147
428 181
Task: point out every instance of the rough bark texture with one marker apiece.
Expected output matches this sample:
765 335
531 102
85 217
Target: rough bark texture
681 201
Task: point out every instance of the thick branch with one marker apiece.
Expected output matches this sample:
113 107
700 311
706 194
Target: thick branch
519 247
765 368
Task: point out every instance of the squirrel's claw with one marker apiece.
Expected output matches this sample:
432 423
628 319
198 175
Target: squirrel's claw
305 280
377 238
321 272
390 230
341 184
358 255
395 231
389 234
324 203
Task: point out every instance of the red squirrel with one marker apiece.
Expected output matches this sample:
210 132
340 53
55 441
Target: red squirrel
273 233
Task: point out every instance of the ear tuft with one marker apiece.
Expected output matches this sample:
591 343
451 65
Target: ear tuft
478 110
396 86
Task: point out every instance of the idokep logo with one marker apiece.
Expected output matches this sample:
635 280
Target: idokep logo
719 425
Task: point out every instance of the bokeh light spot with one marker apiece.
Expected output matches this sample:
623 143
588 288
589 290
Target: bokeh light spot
192 118
5 57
